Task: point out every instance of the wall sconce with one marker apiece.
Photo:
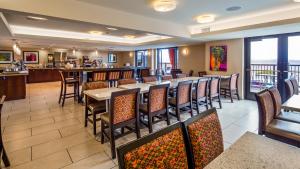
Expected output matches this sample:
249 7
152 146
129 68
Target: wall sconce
185 52
130 54
96 52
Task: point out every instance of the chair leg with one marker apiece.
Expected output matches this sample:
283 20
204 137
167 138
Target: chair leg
220 103
64 95
210 102
5 158
94 123
206 103
237 94
178 113
168 117
150 124
86 116
137 128
230 92
191 106
198 107
112 143
75 91
102 132
61 92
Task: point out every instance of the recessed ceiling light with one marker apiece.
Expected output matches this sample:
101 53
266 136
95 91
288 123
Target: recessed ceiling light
95 32
205 18
112 29
36 18
129 36
233 8
164 5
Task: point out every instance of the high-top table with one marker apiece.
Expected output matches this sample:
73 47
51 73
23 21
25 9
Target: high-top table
253 151
292 103
174 82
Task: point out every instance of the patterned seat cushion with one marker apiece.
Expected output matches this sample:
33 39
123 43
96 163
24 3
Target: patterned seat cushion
167 151
172 101
206 139
144 108
105 117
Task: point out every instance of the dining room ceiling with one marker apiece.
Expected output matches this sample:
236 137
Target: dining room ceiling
138 25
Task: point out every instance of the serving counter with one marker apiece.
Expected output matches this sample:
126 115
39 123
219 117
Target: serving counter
13 85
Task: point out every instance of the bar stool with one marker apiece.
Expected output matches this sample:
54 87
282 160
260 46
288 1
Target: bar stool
128 74
113 77
65 81
99 76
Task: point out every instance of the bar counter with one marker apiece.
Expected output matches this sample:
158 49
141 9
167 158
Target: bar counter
13 85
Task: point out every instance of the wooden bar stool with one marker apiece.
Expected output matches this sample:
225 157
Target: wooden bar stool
65 81
113 77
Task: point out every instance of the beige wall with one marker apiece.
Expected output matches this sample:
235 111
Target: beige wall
235 59
193 59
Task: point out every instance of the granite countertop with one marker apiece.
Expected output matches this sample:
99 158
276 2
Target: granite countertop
19 73
253 151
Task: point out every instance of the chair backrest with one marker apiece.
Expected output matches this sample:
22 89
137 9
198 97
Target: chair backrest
167 77
174 72
149 79
201 89
266 110
62 75
204 135
289 88
214 86
276 100
181 75
124 106
184 92
126 81
162 149
202 73
295 86
114 75
92 86
127 74
191 72
99 76
158 98
145 73
234 80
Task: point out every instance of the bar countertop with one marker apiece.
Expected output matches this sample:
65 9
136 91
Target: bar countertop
19 73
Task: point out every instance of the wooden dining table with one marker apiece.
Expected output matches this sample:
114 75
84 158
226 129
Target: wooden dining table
253 151
292 104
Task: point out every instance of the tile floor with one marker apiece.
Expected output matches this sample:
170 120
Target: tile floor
38 133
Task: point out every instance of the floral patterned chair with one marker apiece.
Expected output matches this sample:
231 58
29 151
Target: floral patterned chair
124 111
163 149
149 79
92 106
157 105
204 137
183 98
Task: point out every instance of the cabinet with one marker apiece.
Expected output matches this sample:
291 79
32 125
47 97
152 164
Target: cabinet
13 87
43 75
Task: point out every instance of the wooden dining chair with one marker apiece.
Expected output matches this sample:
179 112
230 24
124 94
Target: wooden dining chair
128 74
164 149
149 79
183 98
202 73
295 85
230 87
66 81
271 127
204 135
181 75
279 113
2 149
92 106
157 106
200 95
123 112
214 91
289 89
126 81
167 77
191 72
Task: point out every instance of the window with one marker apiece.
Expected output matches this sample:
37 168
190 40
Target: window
141 58
167 59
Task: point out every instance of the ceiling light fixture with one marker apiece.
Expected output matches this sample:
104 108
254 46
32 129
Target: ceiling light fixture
233 8
36 18
296 0
205 18
164 5
129 36
95 32
112 29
